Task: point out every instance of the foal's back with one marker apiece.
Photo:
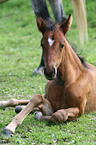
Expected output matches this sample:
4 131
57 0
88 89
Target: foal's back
91 98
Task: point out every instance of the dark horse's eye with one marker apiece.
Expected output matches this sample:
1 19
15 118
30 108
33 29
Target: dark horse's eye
62 45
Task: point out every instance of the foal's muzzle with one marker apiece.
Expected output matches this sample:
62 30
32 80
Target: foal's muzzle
50 75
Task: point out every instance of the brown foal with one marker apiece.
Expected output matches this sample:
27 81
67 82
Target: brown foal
71 90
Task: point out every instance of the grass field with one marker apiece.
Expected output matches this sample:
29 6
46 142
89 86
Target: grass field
20 54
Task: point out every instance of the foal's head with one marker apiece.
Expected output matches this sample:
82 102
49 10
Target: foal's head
53 42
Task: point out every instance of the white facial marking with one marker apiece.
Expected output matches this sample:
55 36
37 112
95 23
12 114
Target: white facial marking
50 41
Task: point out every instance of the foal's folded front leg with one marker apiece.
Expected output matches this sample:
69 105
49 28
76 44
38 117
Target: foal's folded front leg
35 101
60 116
63 115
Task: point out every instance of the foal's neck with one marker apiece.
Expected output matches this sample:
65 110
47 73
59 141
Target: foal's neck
70 67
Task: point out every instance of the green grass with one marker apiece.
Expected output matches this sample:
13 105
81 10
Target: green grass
20 54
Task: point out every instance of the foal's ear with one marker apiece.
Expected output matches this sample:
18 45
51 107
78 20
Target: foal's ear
41 24
65 26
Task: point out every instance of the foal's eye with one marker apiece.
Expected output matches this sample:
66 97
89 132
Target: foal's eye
62 45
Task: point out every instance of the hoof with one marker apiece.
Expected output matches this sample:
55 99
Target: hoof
38 115
39 70
8 133
18 109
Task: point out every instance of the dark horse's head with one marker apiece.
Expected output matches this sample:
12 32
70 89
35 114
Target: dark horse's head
53 42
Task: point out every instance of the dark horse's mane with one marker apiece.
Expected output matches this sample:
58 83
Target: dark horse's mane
51 25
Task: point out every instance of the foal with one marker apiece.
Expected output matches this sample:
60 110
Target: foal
71 90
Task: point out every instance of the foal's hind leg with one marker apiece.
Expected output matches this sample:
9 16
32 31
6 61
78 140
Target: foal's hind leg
12 103
37 101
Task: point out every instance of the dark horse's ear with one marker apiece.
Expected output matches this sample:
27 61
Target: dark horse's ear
65 26
41 24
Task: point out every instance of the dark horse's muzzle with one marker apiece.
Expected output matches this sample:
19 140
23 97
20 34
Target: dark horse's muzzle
50 75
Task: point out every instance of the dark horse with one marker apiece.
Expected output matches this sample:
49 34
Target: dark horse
71 91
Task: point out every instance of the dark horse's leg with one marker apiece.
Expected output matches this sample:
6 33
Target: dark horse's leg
58 10
40 8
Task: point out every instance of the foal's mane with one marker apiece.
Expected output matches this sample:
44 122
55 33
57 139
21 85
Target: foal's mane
51 25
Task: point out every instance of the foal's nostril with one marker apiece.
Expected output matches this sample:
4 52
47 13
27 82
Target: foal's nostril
53 71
